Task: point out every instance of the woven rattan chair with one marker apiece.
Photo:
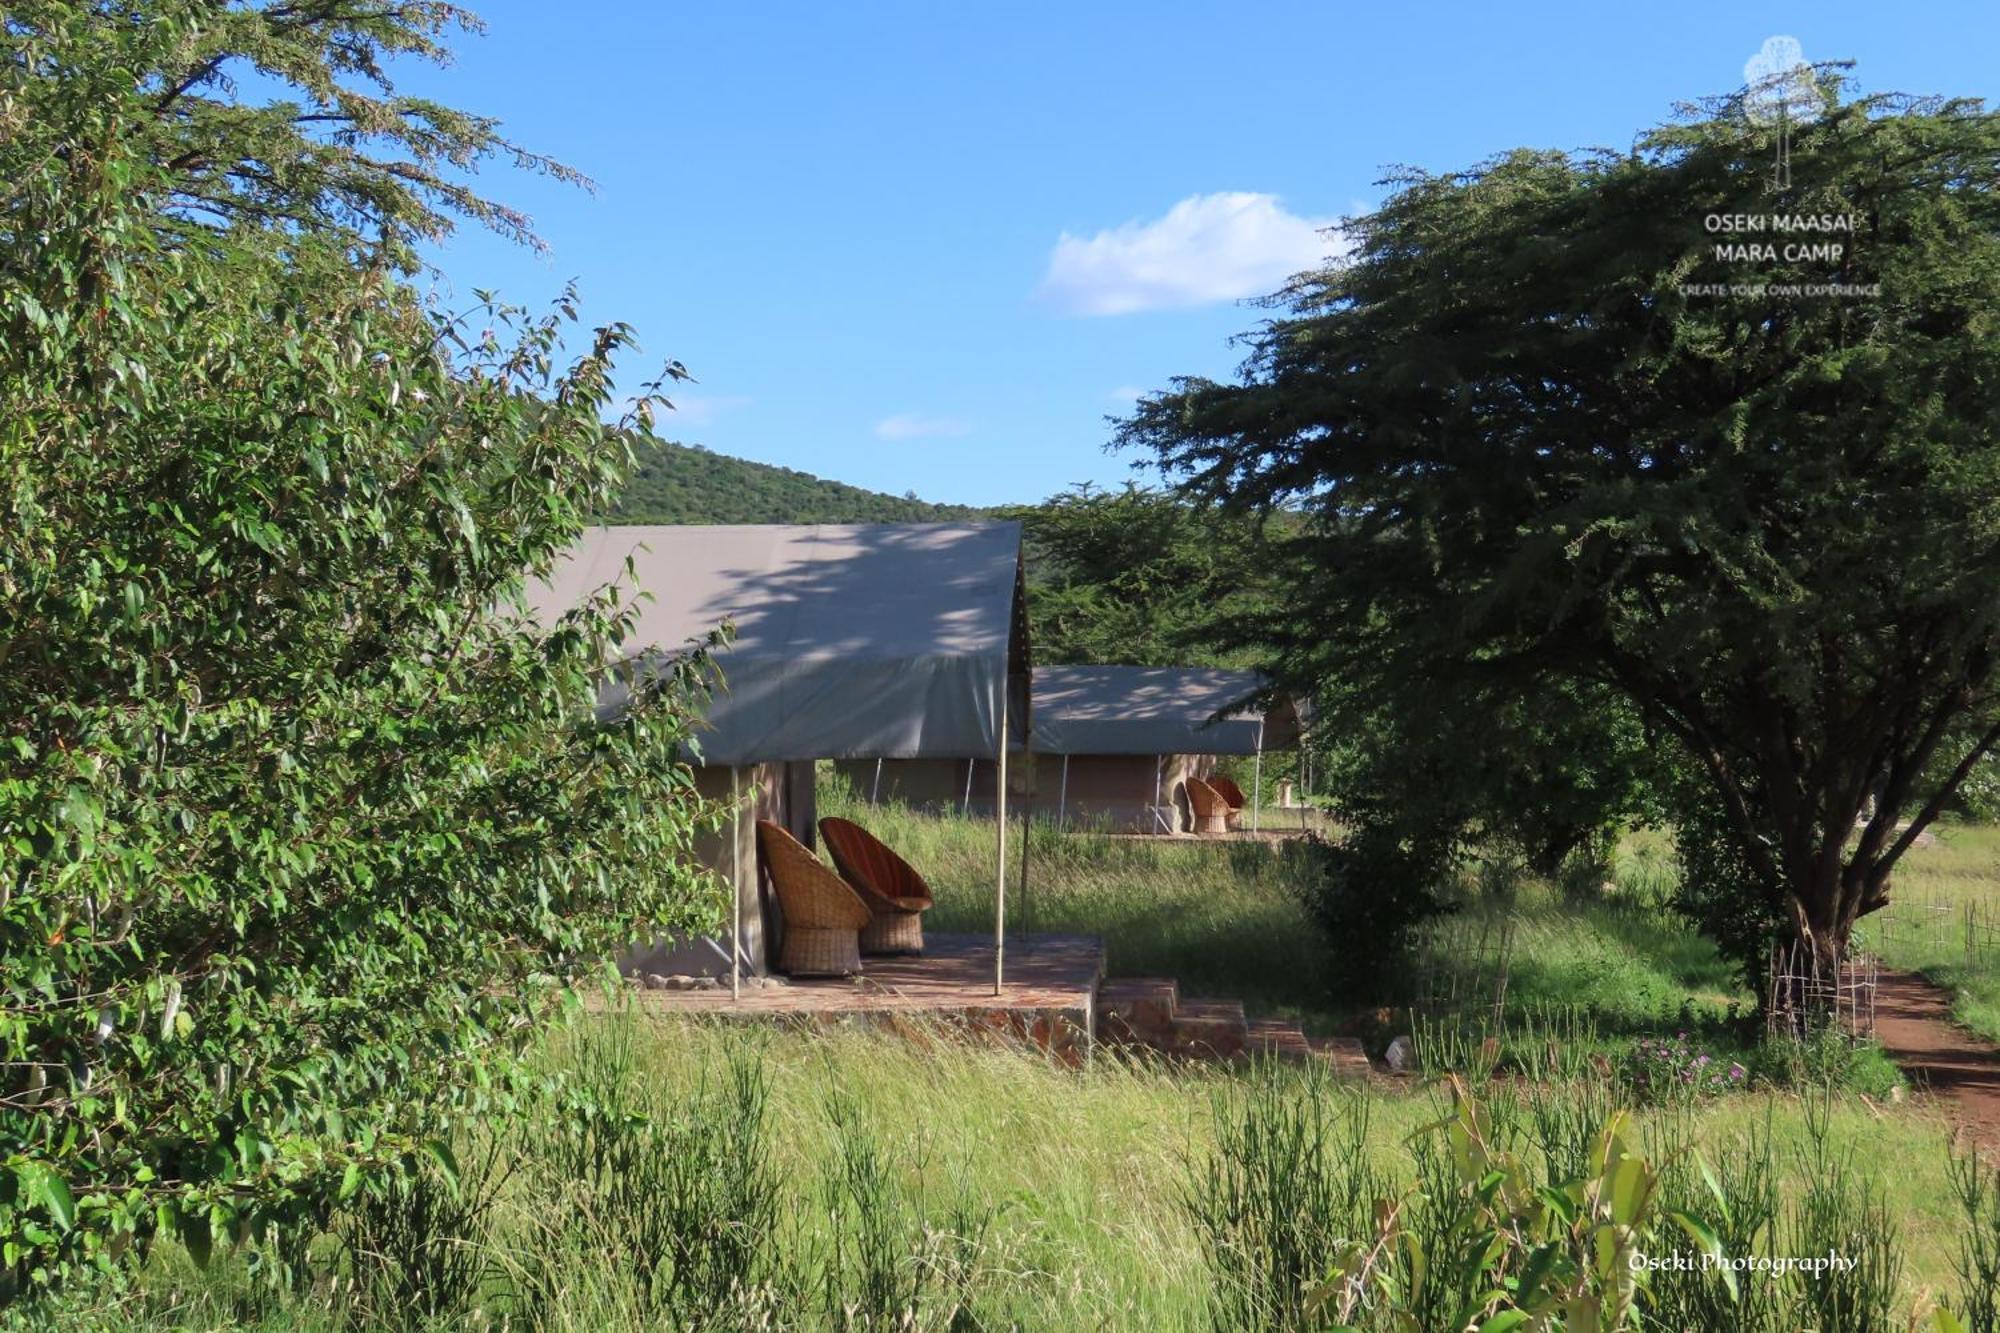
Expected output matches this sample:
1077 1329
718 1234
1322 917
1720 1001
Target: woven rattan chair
1211 811
896 895
1230 793
823 916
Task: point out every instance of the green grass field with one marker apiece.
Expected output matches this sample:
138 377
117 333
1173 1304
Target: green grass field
1002 1191
1076 1180
1943 920
1218 915
1223 918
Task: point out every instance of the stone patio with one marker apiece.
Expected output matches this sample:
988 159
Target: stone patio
1047 1000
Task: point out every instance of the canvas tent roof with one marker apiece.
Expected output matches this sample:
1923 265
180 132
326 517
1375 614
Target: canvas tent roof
852 641
1154 710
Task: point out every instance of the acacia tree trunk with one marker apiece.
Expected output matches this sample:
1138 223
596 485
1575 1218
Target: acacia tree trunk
1828 890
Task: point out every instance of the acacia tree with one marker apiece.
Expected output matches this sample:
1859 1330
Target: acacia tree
1546 429
339 154
304 827
1136 576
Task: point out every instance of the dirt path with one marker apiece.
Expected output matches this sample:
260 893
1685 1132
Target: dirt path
1913 1021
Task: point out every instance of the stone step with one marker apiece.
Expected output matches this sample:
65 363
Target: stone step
1210 1029
1343 1054
1137 1010
1281 1038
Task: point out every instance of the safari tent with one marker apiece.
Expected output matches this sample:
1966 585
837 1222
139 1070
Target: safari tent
1118 744
1113 745
850 642
965 786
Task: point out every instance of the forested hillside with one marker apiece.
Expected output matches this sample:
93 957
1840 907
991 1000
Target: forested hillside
679 483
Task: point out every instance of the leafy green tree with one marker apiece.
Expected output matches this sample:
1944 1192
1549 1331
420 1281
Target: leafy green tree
1540 431
338 154
304 827
1137 577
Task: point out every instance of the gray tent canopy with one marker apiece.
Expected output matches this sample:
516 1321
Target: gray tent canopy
1154 710
852 641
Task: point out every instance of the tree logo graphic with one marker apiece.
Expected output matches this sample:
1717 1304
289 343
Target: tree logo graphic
1779 90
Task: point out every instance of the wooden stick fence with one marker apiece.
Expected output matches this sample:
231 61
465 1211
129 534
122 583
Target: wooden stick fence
1804 992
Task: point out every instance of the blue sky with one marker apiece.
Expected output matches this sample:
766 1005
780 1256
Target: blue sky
930 247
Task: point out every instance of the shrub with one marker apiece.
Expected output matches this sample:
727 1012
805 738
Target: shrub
303 827
1301 1232
1976 1188
1827 1057
1289 1184
1676 1069
1368 893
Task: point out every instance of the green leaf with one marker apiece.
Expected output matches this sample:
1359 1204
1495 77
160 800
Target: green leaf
55 1194
198 1236
1709 1243
1631 1187
440 1153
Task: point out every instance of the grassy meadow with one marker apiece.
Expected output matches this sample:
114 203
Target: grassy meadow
1224 919
1015 1193
854 1180
1943 920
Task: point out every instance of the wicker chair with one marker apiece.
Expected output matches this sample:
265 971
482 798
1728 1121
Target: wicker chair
1211 811
1230 793
896 895
823 917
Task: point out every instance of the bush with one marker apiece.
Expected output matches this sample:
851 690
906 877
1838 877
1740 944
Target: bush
1302 1232
303 827
1289 1186
1676 1069
1828 1057
1368 893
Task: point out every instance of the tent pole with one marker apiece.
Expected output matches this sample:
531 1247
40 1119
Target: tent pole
875 792
1257 781
1062 797
736 885
965 808
1000 846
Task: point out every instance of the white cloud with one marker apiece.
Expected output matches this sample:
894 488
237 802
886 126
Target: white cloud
1126 393
1208 248
917 426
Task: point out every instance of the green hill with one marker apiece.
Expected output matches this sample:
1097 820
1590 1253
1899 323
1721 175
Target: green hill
681 483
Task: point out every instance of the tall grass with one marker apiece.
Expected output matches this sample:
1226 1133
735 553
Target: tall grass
697 1176
1290 1183
952 1186
1925 927
1221 917
1501 1203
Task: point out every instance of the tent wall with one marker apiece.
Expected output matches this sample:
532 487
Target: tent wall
938 785
1111 790
1114 790
780 792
